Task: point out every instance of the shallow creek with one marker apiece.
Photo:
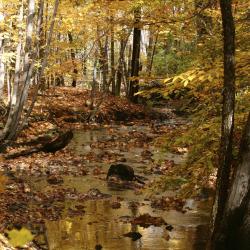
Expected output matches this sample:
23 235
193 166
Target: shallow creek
101 224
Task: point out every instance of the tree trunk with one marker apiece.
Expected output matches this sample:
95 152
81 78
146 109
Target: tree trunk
135 67
44 62
150 56
73 58
14 95
112 56
23 75
223 176
120 71
120 67
2 64
234 230
2 67
42 40
103 61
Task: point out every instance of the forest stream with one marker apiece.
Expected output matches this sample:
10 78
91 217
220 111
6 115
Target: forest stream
103 220
124 125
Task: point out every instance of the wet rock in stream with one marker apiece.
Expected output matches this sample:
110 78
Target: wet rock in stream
123 172
133 235
98 247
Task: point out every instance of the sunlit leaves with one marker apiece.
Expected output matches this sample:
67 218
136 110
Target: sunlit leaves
19 238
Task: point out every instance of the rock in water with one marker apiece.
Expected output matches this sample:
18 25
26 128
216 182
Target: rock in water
121 171
133 235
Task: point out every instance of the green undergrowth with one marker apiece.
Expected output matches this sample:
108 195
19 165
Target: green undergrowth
201 138
199 93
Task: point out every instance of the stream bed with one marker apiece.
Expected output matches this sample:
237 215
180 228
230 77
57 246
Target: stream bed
102 226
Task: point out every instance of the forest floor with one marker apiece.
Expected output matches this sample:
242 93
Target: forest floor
127 127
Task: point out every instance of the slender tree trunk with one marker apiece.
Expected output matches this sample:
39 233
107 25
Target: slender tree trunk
19 93
26 75
2 66
127 66
135 68
121 62
150 51
9 79
223 176
112 57
103 61
73 58
84 67
41 41
93 85
14 96
151 55
44 61
120 68
105 68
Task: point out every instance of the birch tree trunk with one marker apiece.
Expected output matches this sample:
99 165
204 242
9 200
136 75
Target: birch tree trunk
23 74
14 95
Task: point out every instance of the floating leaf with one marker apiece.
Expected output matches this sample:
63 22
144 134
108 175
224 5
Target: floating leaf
19 238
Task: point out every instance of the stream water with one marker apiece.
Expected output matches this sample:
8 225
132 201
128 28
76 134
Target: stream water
104 227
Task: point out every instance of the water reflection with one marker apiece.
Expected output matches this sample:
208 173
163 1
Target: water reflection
103 225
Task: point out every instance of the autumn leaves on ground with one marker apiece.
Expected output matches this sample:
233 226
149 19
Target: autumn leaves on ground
64 109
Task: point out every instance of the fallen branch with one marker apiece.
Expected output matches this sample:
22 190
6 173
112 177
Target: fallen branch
57 144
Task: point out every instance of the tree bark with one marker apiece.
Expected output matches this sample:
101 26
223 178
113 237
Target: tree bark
44 62
234 230
121 62
14 95
23 73
103 61
42 40
112 56
2 66
223 176
73 58
135 67
2 63
120 68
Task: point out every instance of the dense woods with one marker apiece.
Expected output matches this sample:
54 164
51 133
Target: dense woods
87 86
